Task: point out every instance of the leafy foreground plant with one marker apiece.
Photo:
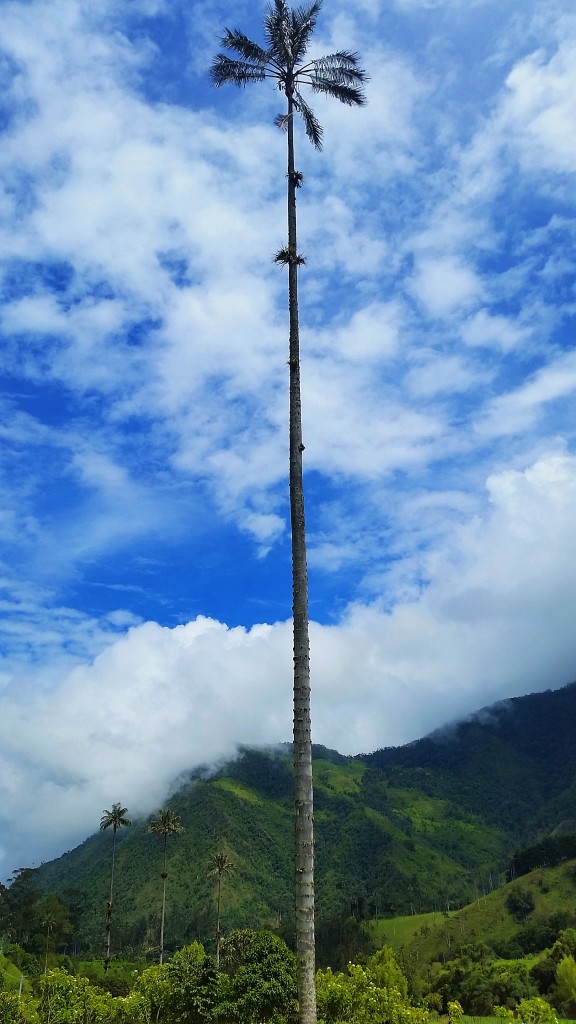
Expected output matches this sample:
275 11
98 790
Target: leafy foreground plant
184 990
367 995
258 986
288 33
16 1009
528 1011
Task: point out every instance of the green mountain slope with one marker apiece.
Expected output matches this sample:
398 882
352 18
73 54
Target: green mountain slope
512 763
403 830
489 920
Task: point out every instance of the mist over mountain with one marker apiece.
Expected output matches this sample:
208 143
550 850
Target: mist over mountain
397 830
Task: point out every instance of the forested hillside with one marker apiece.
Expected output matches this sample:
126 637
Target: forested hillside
513 763
402 830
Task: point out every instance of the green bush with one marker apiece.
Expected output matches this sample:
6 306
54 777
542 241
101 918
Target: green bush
367 995
520 903
535 1011
261 985
15 1010
185 989
455 1012
565 989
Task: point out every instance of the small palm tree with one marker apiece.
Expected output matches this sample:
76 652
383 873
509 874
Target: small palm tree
220 865
283 60
113 819
167 824
49 923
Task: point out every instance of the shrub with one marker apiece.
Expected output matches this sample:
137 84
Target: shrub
520 903
367 995
455 1012
14 1010
535 1011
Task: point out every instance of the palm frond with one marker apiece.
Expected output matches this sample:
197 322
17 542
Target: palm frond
114 818
167 824
303 24
247 48
348 57
239 72
287 257
342 66
337 75
277 31
288 31
348 94
311 124
281 121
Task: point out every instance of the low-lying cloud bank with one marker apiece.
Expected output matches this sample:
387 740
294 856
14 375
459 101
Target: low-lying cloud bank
493 620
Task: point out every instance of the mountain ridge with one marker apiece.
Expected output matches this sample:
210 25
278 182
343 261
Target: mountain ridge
400 829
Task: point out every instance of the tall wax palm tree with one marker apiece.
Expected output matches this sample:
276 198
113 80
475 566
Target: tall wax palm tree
220 865
283 61
113 819
166 824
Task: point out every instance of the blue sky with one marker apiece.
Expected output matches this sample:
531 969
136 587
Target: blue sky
144 538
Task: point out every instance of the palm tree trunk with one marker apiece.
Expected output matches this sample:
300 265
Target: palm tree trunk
164 877
303 793
113 864
162 923
218 920
109 907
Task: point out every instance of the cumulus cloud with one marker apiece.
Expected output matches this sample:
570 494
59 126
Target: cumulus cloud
540 109
483 329
493 621
445 284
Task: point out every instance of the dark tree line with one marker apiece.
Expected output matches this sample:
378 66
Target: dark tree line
35 924
545 854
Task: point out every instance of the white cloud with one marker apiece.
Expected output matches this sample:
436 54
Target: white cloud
539 113
485 330
445 284
494 621
376 143
389 435
435 373
520 409
371 335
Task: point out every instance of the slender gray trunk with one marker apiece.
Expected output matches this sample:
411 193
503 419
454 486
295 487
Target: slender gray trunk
218 920
108 941
164 877
303 793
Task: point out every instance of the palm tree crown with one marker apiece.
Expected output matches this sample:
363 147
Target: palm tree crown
115 818
220 864
288 35
166 824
